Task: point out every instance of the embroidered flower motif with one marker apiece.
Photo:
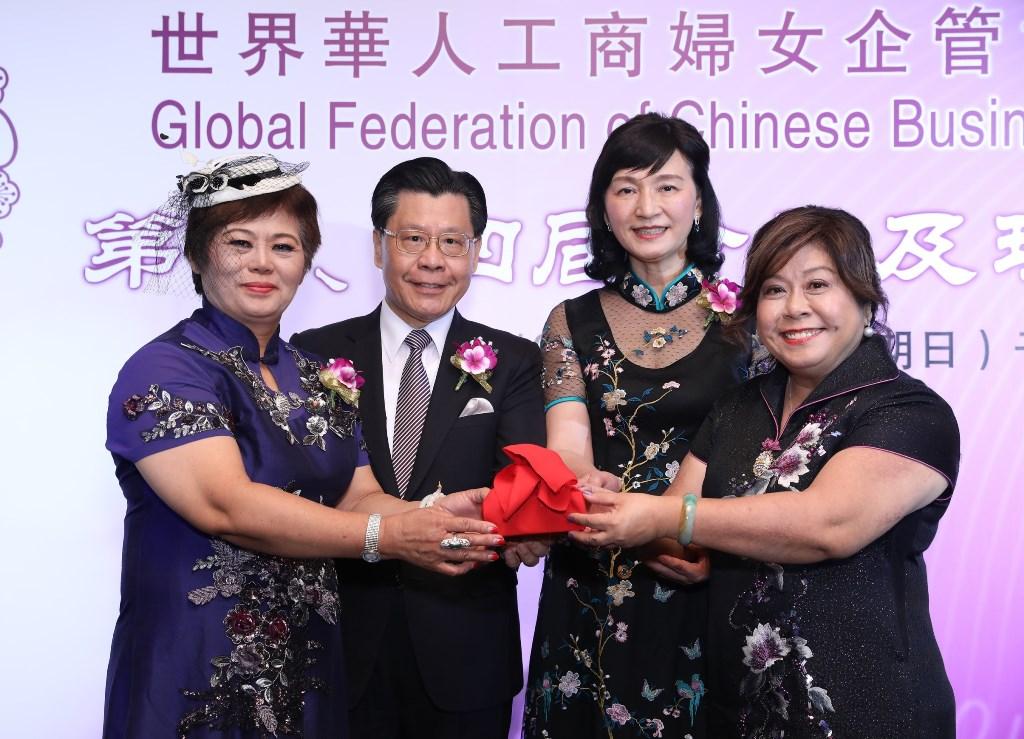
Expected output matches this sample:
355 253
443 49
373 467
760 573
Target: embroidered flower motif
571 583
618 713
655 725
341 419
590 371
791 464
671 470
569 683
642 295
276 629
720 297
765 646
670 385
621 632
651 451
241 624
613 399
475 358
317 425
177 415
620 591
809 434
676 294
342 379
609 428
659 336
800 648
265 678
249 659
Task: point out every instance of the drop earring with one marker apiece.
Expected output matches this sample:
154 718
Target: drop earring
868 331
696 224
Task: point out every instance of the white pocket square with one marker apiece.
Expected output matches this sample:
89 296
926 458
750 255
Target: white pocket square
476 406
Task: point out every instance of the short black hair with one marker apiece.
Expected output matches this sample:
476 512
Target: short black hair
646 142
433 177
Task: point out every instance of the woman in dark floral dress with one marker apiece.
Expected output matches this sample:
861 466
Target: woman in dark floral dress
823 482
235 452
631 370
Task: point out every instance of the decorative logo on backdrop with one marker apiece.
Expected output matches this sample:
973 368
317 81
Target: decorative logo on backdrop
9 192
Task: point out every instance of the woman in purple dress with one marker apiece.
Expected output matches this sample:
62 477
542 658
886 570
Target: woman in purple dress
244 470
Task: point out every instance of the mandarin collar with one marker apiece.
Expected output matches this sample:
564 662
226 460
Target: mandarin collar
870 364
234 333
680 291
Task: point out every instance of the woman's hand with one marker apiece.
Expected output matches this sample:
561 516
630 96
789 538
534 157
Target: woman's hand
416 536
624 519
600 479
670 560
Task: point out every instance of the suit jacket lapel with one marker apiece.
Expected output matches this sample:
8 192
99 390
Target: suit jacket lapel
366 344
444 409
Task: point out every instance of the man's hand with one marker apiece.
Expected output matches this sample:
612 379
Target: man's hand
467 503
527 551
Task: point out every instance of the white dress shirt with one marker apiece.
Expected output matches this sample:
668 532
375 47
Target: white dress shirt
394 352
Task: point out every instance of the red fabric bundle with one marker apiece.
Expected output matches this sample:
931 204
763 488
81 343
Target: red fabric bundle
533 495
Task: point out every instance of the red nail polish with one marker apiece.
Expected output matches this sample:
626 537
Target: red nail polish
501 541
493 556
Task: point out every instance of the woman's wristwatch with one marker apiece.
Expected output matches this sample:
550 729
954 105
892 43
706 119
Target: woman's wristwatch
370 551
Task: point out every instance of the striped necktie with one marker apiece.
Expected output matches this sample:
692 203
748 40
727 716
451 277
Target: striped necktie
411 409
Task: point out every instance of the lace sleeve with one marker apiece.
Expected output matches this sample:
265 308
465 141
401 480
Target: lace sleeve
562 376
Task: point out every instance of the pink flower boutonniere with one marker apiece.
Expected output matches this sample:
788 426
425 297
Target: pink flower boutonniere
720 298
476 358
342 380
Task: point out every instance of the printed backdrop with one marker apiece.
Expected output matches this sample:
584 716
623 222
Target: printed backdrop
910 114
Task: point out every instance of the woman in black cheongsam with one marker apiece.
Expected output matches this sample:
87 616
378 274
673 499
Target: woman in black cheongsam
630 371
820 486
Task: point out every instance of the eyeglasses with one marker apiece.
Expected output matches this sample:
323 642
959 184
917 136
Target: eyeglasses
413 241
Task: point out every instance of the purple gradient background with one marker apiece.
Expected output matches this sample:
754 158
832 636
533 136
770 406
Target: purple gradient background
83 83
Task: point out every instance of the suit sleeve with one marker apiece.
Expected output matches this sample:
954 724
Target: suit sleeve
521 414
306 341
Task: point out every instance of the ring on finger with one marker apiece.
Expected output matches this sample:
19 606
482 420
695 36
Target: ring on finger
454 542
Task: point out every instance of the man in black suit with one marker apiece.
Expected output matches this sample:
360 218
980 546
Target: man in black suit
430 656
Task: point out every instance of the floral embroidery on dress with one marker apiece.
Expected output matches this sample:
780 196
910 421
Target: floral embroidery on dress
260 684
568 359
676 294
685 287
324 416
176 415
642 295
785 468
643 469
778 684
589 679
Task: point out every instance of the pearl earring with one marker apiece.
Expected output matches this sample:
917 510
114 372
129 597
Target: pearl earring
868 331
